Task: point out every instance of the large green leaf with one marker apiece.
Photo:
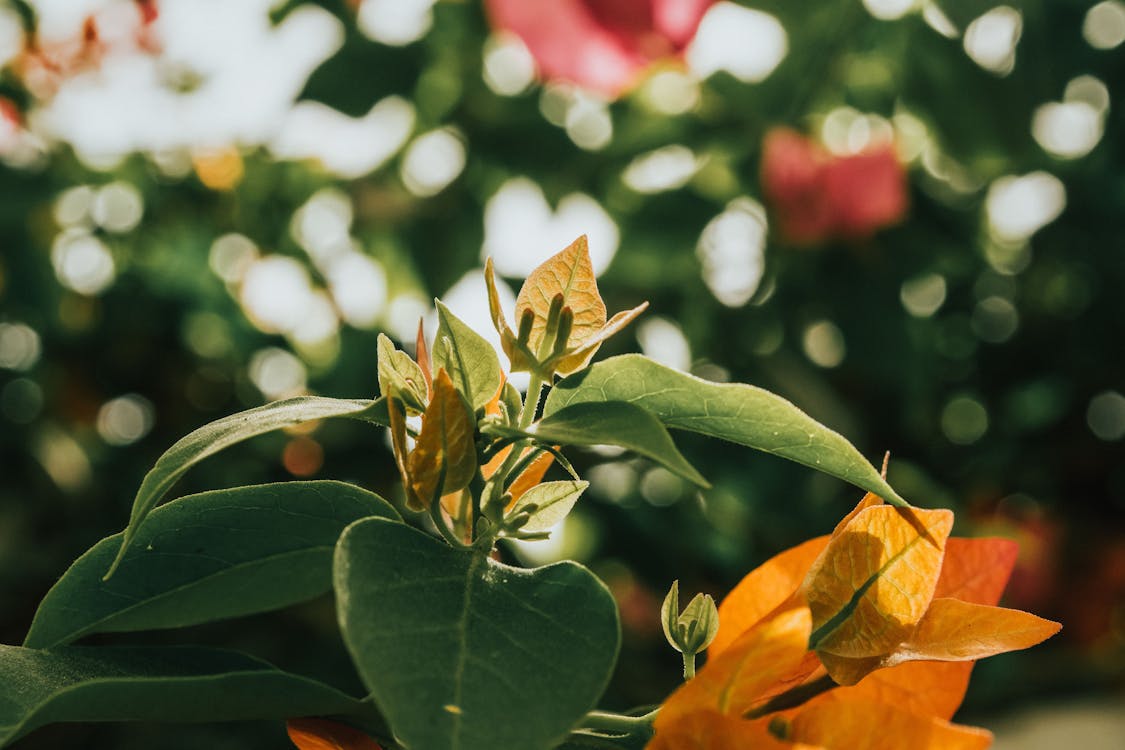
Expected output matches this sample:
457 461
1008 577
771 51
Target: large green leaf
152 684
223 433
615 423
207 557
469 359
461 651
737 412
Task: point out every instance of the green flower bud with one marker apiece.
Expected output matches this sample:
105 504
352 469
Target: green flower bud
692 630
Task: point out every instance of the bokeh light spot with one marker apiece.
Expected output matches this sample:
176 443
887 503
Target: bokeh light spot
20 346
1104 25
964 420
432 161
923 295
731 252
277 373
1105 415
125 419
749 44
823 342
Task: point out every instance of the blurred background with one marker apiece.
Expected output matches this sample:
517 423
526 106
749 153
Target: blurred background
906 216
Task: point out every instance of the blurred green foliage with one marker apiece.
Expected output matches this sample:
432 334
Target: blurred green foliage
1002 400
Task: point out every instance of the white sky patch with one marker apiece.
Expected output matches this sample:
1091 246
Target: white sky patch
509 68
521 231
250 73
664 341
731 251
889 10
1104 25
277 373
991 39
82 262
665 168
432 161
746 43
395 22
276 293
1018 207
347 147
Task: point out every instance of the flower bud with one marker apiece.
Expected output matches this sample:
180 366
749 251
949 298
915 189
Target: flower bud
692 630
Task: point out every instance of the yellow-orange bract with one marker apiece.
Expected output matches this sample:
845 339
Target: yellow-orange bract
569 275
861 607
321 734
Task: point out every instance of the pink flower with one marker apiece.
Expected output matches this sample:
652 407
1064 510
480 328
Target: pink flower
602 45
816 197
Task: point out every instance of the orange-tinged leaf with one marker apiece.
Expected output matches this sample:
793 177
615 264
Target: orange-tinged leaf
763 590
732 682
875 579
875 726
711 730
571 274
508 339
530 476
577 358
424 358
953 630
867 501
928 688
444 459
321 734
976 570
397 421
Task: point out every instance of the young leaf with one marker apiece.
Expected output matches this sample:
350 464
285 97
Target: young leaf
321 734
214 437
444 459
519 356
548 503
207 557
469 359
873 582
176 684
401 376
616 423
570 274
736 412
460 651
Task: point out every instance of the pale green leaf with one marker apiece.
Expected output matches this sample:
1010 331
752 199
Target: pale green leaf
736 412
548 503
615 423
401 376
469 359
223 433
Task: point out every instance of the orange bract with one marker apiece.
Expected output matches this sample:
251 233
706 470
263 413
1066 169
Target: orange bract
444 458
321 734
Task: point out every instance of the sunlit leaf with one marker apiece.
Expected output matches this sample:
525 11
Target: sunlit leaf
207 557
762 590
401 376
468 358
570 274
517 354
548 503
322 734
577 357
616 423
875 579
444 458
736 412
223 433
874 726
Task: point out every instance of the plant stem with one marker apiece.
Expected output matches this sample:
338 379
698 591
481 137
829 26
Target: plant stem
612 722
689 666
792 698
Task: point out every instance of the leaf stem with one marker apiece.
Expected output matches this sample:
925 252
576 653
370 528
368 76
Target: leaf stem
614 722
689 666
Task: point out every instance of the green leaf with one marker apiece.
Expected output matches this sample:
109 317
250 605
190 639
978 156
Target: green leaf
736 412
401 376
223 433
468 358
461 651
548 503
615 423
182 684
207 557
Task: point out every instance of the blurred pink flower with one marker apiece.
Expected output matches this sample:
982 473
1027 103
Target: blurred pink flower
602 45
816 196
